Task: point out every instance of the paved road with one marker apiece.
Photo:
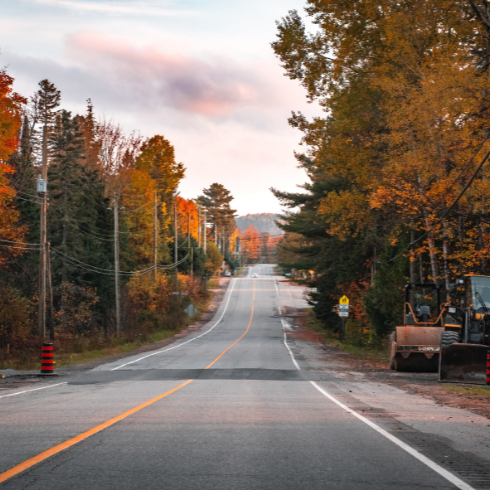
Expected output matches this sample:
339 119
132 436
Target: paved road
229 407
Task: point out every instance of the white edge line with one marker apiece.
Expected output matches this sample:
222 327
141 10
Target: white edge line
410 450
35 389
187 341
287 346
433 466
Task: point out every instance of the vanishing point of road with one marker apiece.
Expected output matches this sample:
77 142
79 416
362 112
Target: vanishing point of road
232 406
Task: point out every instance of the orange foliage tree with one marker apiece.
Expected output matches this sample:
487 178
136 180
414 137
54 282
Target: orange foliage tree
187 210
10 123
251 244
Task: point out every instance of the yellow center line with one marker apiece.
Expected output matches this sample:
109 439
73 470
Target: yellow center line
75 440
236 341
70 442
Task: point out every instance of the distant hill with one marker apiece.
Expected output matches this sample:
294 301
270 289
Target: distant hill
263 221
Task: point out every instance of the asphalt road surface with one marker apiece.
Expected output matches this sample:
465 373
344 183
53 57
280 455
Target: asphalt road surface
229 407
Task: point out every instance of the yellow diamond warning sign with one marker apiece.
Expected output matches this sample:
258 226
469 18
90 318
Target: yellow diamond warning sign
344 300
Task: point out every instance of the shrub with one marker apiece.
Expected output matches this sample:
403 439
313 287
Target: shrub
14 317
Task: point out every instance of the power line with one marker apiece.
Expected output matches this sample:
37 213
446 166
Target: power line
29 249
19 243
100 268
111 272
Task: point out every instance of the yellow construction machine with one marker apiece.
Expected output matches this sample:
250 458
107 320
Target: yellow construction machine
465 342
415 345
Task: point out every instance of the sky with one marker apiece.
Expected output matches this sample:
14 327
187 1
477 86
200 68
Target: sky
199 72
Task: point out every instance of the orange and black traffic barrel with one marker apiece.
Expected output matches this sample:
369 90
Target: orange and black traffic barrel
47 364
488 367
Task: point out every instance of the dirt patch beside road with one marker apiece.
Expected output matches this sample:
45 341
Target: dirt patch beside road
423 384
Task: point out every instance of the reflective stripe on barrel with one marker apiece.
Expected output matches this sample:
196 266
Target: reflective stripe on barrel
488 367
47 358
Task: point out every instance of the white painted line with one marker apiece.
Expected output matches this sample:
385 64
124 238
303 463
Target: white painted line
433 466
35 389
410 450
287 347
187 341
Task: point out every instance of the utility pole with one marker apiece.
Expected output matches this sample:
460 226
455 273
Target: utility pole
116 264
204 232
50 287
176 248
41 322
155 238
199 227
223 245
189 249
412 270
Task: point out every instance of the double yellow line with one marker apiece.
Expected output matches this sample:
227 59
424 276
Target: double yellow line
75 440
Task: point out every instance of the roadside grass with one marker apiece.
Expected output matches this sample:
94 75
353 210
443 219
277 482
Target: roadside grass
213 282
468 390
67 357
371 352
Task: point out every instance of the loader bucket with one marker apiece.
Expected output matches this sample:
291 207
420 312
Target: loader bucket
463 363
417 348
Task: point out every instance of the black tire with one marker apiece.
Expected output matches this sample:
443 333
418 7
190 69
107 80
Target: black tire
392 354
449 338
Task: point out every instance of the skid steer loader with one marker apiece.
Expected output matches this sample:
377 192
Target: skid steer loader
415 346
466 340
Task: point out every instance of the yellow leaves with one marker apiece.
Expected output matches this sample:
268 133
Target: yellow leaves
146 294
138 200
157 159
347 213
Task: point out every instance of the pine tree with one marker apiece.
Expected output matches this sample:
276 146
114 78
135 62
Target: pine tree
216 201
82 236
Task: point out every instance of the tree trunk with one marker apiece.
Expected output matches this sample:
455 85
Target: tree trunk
445 250
432 251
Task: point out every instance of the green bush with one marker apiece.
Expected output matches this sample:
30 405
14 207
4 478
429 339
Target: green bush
14 317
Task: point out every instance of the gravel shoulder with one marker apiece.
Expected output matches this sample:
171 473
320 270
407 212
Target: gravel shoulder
422 384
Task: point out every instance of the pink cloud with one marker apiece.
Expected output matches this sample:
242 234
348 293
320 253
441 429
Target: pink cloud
213 87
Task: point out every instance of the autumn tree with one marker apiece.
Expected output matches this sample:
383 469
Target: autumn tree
407 103
10 124
214 259
188 217
157 158
251 244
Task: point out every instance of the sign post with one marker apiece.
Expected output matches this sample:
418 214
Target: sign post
343 309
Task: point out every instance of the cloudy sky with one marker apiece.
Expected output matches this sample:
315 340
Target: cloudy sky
201 73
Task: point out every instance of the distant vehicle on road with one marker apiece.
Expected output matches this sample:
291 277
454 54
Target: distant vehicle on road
227 274
254 275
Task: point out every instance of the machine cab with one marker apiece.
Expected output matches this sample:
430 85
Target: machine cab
478 293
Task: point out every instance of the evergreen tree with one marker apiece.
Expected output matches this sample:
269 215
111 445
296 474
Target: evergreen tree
25 267
216 201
